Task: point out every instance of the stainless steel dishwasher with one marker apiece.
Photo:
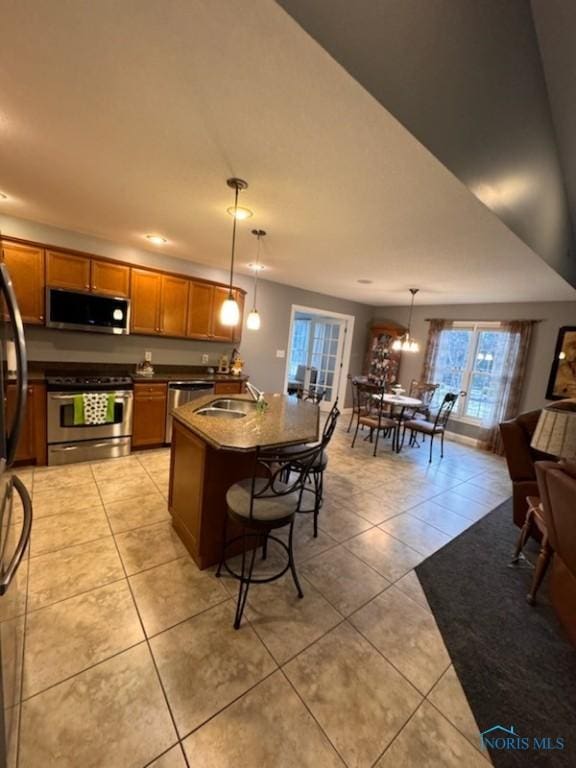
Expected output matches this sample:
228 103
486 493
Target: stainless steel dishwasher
181 392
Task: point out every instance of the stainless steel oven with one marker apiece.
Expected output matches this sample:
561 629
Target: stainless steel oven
70 442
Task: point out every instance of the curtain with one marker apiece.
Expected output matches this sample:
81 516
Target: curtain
432 345
509 390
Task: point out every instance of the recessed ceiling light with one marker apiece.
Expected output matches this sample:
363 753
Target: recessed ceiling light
156 239
364 281
241 213
256 267
3 196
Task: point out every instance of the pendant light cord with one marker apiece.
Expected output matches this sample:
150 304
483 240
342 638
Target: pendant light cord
256 271
233 242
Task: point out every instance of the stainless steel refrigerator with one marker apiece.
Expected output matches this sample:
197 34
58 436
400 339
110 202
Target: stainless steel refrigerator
15 520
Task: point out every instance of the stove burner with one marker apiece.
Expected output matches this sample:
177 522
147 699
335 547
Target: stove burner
89 382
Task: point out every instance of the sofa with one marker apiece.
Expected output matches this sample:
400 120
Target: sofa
520 457
557 485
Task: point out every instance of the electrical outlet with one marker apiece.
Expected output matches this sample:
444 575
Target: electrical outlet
281 353
148 356
205 359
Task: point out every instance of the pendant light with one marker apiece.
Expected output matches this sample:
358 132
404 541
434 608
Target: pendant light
406 343
253 320
230 311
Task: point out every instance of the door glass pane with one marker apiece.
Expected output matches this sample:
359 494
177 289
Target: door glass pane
453 351
299 349
492 351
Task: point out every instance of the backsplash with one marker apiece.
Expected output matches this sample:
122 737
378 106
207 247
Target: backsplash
61 346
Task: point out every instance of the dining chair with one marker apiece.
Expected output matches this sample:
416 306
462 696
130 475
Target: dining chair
373 412
432 428
354 381
424 391
313 395
260 504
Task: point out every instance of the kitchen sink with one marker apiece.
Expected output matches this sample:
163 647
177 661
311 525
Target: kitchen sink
246 406
221 413
227 408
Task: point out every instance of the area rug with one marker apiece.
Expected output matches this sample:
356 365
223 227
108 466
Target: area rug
514 662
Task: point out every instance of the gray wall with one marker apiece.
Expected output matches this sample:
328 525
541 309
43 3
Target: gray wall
552 315
466 79
258 348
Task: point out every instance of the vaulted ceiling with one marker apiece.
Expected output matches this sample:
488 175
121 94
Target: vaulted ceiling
120 119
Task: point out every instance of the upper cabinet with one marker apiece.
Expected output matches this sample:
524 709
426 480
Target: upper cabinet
173 305
81 273
26 267
200 303
110 278
162 303
67 270
146 290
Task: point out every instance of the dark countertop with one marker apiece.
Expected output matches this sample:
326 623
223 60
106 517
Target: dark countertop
37 372
287 421
160 377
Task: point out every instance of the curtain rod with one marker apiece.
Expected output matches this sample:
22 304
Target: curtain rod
484 320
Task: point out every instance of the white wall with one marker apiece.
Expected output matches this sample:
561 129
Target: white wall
258 348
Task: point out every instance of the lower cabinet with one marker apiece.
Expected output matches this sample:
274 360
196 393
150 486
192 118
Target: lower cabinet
32 444
149 415
229 387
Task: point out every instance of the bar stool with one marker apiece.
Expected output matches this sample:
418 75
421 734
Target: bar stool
315 474
261 504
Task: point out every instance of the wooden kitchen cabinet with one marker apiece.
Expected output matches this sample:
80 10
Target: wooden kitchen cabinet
200 303
32 444
25 264
220 332
149 416
109 278
174 306
146 292
67 270
237 330
228 387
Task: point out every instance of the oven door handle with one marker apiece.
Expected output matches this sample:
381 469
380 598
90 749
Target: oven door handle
8 574
13 437
67 448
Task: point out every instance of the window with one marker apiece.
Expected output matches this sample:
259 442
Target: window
471 358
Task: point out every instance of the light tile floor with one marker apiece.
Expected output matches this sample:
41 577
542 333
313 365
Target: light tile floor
130 659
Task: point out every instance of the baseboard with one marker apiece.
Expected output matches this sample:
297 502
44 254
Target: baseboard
464 439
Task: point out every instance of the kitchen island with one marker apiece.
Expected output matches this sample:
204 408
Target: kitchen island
211 451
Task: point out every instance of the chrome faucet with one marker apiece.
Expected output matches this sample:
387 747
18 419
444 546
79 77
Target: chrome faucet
254 392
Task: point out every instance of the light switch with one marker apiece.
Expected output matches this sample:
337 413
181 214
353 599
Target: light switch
280 353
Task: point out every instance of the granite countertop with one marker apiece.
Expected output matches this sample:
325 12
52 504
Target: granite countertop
189 377
287 421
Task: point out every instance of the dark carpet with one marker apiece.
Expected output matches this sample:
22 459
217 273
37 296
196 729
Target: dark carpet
514 661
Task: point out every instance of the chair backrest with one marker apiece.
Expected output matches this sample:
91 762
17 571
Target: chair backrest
314 394
274 468
446 408
423 391
330 424
300 373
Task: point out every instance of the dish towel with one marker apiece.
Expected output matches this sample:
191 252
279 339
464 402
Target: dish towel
94 408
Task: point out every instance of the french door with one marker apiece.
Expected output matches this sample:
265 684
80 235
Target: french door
315 357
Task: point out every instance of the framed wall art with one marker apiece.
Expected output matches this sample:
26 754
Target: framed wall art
562 381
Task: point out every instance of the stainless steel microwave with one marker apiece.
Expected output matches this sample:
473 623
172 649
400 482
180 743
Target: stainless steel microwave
76 311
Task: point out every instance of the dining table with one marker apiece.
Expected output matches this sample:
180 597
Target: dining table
399 404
